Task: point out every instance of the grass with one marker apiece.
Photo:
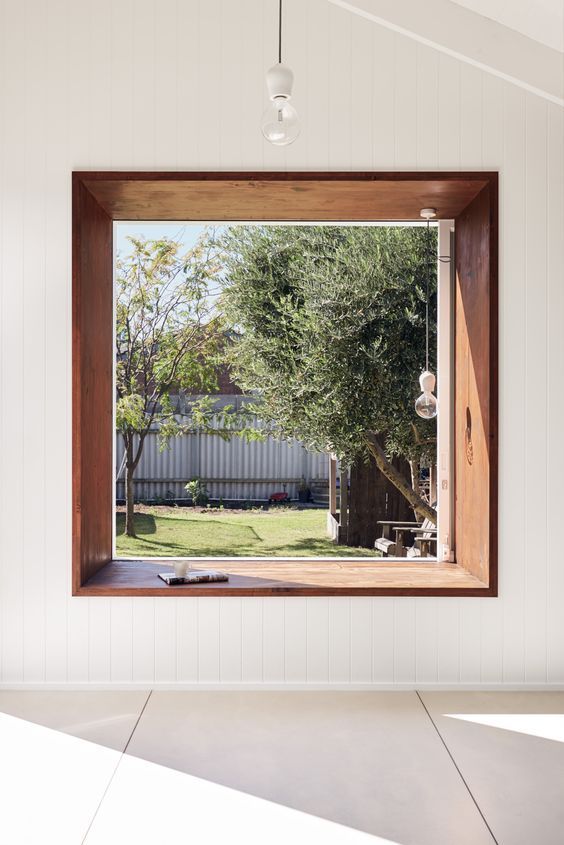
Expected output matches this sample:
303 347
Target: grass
183 532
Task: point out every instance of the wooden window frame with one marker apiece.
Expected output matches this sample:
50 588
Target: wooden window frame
469 198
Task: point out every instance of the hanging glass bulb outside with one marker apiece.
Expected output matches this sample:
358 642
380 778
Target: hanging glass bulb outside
426 405
280 123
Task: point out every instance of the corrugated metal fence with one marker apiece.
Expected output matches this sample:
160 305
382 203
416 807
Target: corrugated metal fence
234 469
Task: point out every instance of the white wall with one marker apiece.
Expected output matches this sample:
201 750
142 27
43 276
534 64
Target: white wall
131 84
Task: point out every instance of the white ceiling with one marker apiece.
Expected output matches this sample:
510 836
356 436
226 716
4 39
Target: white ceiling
541 20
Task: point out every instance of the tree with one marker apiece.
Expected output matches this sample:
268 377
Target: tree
168 337
331 337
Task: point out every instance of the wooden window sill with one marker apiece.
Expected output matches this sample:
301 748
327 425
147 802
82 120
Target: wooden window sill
291 578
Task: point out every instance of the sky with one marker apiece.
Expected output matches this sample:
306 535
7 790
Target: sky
187 233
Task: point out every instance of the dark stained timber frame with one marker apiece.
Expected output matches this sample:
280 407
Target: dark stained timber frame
470 198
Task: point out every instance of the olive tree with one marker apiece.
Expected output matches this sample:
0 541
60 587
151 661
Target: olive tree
330 327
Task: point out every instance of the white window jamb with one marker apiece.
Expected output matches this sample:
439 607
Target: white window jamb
445 392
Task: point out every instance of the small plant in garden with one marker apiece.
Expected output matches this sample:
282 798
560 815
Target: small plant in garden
198 492
304 492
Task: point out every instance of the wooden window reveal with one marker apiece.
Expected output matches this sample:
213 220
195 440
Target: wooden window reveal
100 198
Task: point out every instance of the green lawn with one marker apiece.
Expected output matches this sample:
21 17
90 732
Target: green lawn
183 532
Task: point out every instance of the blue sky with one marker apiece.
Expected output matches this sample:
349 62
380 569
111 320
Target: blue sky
187 233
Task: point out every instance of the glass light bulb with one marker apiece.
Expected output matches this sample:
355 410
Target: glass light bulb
280 123
426 406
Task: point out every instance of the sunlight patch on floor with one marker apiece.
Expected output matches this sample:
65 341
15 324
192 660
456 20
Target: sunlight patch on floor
543 725
149 803
59 788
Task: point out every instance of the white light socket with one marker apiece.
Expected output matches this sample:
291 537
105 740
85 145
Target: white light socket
279 81
427 381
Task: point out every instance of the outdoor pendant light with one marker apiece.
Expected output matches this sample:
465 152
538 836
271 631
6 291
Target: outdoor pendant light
280 123
426 405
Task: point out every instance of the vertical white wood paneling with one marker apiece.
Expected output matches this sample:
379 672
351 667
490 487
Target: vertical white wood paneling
318 640
382 640
143 650
470 117
251 640
230 626
273 640
12 501
143 25
339 112
362 80
449 112
448 642
252 104
295 640
317 99
187 83
295 49
470 641
339 640
165 112
57 335
187 639
99 640
426 641
361 640
33 409
121 641
513 341
181 84
427 108
165 640
75 661
404 641
535 377
405 103
97 45
555 409
227 49
208 640
121 98
382 105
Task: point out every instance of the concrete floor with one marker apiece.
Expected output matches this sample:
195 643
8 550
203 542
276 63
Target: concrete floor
439 768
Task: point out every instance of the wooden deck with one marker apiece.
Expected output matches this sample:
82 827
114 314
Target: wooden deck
290 577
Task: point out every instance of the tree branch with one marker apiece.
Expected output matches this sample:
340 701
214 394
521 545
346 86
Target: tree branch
388 469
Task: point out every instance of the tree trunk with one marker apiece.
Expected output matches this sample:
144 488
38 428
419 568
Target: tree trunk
392 474
129 490
414 468
372 498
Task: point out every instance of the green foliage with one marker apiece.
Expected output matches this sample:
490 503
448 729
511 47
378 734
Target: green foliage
170 338
198 492
330 326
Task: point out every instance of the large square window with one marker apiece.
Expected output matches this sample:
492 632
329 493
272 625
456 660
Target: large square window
242 389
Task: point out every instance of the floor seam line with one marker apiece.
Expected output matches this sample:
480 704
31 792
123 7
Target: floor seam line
137 722
455 764
101 801
109 783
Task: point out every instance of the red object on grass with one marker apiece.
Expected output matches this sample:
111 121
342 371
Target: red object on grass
278 497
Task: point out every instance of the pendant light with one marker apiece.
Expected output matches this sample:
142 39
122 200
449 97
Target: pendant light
280 123
426 405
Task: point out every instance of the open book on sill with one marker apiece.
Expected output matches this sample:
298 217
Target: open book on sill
195 576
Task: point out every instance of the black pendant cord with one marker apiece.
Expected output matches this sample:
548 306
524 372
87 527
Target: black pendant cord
280 32
427 305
